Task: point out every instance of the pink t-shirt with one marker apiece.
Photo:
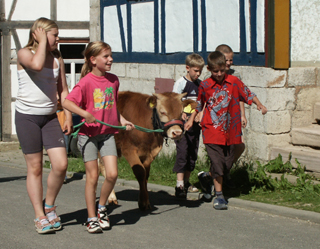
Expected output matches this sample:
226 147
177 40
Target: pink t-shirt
97 95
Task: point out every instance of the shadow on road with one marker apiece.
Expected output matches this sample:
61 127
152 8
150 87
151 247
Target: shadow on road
12 178
132 216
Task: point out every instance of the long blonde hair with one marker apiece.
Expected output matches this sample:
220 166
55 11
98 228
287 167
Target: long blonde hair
47 25
93 49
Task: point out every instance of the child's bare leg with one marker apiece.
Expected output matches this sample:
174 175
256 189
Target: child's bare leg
180 176
111 167
218 183
91 185
34 181
59 162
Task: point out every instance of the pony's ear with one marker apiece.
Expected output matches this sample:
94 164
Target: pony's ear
152 101
181 95
190 102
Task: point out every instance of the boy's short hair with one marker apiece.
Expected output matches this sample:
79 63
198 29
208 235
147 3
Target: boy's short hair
224 48
216 58
195 60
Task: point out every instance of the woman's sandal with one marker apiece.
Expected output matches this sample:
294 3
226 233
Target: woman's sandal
52 217
43 226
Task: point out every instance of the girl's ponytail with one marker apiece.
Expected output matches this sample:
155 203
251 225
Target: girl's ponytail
85 69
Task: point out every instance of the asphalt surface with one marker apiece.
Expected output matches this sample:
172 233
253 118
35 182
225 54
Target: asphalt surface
170 224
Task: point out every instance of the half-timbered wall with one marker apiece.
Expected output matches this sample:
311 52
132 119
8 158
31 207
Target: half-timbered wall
165 31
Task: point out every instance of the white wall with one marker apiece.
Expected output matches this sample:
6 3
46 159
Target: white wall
222 25
305 32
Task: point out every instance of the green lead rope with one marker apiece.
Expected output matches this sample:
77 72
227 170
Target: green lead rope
77 128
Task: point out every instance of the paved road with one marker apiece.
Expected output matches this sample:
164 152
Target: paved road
171 224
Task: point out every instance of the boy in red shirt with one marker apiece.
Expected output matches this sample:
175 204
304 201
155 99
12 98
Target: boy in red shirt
221 120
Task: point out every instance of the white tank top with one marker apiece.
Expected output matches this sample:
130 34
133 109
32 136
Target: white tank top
37 93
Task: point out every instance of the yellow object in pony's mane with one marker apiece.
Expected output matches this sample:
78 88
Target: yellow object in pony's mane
188 109
151 105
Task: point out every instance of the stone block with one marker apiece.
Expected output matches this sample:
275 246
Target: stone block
180 71
137 85
316 111
275 99
239 70
126 85
307 97
257 145
308 136
263 77
256 120
318 76
301 118
167 71
149 71
277 122
301 76
118 69
271 123
132 70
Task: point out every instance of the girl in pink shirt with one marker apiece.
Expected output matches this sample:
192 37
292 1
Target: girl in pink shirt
95 97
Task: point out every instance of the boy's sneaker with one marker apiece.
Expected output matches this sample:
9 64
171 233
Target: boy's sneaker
103 218
220 204
93 226
190 188
181 192
206 183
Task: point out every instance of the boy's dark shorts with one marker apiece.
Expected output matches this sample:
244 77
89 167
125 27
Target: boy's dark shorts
221 157
187 150
37 131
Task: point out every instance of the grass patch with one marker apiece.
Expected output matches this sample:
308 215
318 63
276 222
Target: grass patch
252 179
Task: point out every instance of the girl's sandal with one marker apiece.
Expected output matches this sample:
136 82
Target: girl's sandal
43 226
52 217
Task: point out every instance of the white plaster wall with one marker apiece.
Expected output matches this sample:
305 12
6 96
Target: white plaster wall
111 29
73 10
179 26
305 26
142 27
222 24
28 10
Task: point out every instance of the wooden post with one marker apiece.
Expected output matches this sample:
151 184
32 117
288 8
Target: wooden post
6 85
282 34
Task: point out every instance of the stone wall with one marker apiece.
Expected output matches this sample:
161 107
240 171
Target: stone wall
289 96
